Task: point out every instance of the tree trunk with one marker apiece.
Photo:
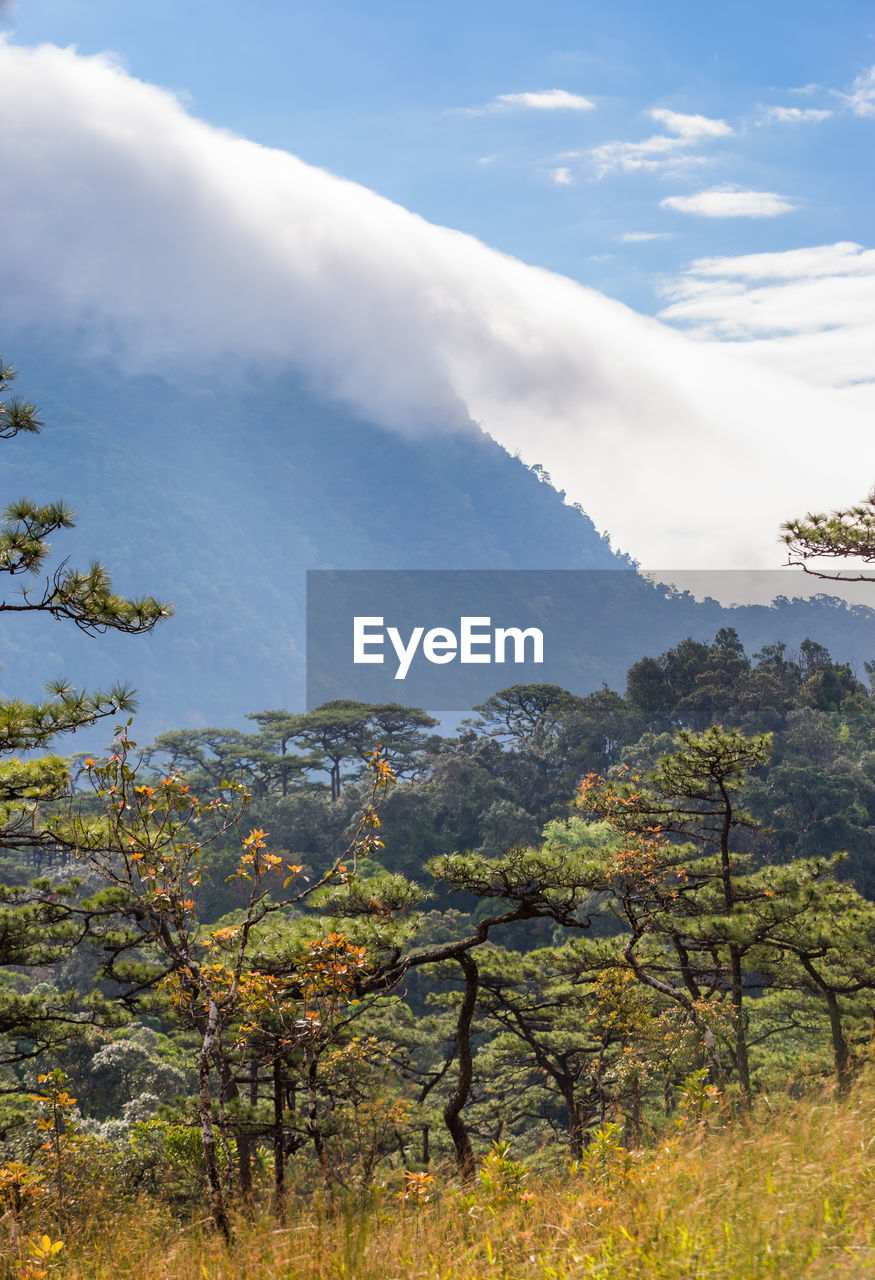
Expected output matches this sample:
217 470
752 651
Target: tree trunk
208 1133
279 1149
457 1100
313 1126
574 1118
246 1140
735 974
227 1091
738 1018
244 1163
634 1114
839 1043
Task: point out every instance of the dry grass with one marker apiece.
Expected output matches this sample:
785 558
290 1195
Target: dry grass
789 1194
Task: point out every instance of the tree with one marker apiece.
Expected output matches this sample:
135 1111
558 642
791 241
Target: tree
84 598
87 598
208 756
555 882
277 730
848 533
38 930
524 715
542 1003
690 685
701 899
345 732
36 927
825 950
537 740
147 845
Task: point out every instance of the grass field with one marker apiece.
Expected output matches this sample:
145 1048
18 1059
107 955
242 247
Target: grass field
787 1193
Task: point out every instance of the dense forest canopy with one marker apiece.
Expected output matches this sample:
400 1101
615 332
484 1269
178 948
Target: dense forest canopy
543 924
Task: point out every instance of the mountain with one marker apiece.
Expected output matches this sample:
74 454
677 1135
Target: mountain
219 498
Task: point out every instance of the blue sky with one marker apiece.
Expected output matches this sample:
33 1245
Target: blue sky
378 93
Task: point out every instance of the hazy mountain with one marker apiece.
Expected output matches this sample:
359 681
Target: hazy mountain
220 497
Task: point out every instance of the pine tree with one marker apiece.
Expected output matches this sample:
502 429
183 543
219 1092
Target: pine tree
36 926
700 905
848 533
84 598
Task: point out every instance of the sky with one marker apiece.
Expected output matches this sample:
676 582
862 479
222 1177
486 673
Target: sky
436 107
703 172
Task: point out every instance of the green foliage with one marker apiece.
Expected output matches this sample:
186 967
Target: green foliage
502 1177
84 598
848 533
340 737
15 414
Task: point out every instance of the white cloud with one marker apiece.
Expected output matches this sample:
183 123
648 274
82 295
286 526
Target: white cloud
841 259
659 152
806 312
861 99
543 100
691 128
729 201
662 151
638 237
174 247
792 115
561 176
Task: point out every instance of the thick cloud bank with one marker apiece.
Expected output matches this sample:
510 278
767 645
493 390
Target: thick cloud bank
181 246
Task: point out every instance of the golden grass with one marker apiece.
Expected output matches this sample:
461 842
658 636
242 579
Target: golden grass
787 1194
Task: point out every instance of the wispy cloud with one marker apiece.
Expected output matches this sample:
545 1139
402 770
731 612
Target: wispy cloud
661 151
807 312
638 237
690 128
561 176
861 99
792 115
729 201
542 100
844 258
650 154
